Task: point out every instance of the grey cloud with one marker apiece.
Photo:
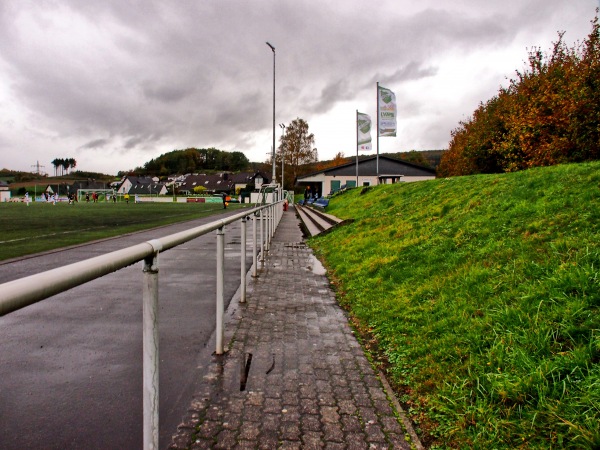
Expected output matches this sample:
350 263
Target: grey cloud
412 71
167 93
149 73
96 143
140 140
330 94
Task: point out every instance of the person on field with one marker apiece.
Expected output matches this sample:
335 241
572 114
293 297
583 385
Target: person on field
126 197
224 200
27 198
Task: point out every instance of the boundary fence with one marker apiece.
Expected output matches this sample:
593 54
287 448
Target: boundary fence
23 292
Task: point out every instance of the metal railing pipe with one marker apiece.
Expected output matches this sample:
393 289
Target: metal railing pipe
243 262
270 233
150 351
254 252
220 289
26 291
262 235
269 226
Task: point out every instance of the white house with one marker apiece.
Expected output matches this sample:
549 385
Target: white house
391 170
4 192
129 181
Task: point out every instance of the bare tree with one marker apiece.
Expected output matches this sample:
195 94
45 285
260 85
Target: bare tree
297 147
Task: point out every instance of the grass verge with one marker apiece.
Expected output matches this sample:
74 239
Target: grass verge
41 226
482 295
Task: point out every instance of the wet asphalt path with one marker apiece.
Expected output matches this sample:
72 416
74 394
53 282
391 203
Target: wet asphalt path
71 365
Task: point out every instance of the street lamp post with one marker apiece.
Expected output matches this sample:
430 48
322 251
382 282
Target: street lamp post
273 149
282 153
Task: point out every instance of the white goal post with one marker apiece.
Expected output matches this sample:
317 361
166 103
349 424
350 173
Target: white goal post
81 193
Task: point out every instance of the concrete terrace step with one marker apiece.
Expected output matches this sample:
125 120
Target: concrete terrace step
316 221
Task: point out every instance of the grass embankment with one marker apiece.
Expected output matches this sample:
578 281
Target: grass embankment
42 226
482 293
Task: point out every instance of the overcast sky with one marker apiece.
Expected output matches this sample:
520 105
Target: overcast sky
115 83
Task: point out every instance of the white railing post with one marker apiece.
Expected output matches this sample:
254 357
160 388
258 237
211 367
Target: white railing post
280 216
273 218
271 226
220 289
262 236
270 237
243 263
267 229
150 349
254 253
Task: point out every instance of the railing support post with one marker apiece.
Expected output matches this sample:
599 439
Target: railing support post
220 289
243 263
262 236
272 216
270 225
254 253
267 224
150 351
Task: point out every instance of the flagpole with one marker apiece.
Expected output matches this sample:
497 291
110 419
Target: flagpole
357 148
377 159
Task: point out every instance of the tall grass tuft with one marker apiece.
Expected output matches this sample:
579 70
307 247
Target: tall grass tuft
483 295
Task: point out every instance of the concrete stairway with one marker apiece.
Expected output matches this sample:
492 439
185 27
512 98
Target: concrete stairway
316 221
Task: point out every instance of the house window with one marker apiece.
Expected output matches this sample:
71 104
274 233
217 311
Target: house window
366 183
351 183
335 185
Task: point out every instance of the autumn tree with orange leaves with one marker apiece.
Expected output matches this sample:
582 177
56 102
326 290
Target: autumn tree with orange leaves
549 114
296 146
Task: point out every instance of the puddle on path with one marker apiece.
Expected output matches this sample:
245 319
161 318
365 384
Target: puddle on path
316 267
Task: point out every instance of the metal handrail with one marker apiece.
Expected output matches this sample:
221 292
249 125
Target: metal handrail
17 294
26 291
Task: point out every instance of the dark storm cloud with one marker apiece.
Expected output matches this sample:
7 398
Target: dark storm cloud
336 91
149 74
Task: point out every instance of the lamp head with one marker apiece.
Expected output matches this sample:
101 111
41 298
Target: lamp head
272 48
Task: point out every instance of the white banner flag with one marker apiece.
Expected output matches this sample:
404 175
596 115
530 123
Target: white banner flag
363 126
387 112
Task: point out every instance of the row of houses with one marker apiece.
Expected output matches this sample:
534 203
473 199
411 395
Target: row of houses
369 171
185 184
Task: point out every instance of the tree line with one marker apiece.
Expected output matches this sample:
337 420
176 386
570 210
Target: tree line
62 165
549 114
194 160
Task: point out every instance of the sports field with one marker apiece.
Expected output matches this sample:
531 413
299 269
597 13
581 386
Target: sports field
42 226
